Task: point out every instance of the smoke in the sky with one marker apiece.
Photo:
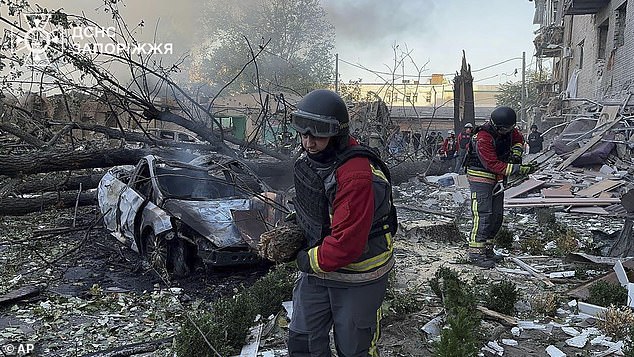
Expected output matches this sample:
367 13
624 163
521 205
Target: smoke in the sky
369 20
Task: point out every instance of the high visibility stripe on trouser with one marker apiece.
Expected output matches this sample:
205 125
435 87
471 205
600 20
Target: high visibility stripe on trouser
353 310
487 212
374 351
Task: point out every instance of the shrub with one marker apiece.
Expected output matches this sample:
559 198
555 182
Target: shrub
605 293
502 297
461 338
617 322
545 304
226 325
504 238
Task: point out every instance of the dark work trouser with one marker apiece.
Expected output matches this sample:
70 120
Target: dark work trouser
487 212
459 169
354 311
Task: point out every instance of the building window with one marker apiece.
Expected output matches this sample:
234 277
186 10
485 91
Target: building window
603 39
428 97
619 29
415 98
580 47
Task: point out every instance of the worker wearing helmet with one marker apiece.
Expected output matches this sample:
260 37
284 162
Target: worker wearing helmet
535 140
462 144
495 153
344 208
448 148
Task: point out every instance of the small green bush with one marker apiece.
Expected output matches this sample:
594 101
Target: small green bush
604 293
453 291
226 325
502 297
504 238
462 338
545 217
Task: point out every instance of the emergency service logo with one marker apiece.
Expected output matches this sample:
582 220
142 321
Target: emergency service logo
38 42
44 43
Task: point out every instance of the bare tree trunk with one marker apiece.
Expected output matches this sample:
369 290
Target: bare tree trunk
15 206
45 183
37 162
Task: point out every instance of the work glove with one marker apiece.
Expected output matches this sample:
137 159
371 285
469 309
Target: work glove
515 158
291 217
527 169
303 262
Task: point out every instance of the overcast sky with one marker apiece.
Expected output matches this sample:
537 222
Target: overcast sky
434 31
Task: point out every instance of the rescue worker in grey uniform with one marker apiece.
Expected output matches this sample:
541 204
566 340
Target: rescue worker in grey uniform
344 207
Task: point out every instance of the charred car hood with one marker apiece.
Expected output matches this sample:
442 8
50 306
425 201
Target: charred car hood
212 219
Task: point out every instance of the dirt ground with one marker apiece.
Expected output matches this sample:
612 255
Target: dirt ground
95 294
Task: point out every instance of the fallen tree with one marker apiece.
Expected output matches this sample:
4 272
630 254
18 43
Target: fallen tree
15 206
45 183
45 161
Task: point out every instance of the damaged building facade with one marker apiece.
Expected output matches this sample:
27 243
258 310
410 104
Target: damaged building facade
590 44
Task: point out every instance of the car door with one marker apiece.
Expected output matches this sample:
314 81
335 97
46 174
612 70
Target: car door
133 199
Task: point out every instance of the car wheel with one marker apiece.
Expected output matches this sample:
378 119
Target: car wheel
156 252
167 257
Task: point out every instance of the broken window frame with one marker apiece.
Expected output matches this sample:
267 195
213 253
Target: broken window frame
602 39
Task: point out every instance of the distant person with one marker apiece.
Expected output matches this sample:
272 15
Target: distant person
430 144
535 141
448 148
439 142
416 142
462 143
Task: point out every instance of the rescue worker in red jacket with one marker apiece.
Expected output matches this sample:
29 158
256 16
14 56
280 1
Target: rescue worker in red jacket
344 206
495 153
463 140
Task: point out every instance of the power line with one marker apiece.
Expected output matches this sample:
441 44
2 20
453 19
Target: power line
422 76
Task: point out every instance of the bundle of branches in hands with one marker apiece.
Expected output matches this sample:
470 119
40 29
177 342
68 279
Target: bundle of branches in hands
281 244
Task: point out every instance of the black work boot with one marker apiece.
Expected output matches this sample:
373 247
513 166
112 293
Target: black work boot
478 257
490 254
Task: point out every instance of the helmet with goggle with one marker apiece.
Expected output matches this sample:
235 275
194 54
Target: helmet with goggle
503 119
321 113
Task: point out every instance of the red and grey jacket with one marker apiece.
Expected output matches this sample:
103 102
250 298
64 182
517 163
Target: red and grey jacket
490 153
463 141
346 212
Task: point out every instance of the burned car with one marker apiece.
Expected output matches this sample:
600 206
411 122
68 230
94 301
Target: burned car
210 210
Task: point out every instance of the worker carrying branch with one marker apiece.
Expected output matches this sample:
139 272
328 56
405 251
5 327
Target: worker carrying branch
495 154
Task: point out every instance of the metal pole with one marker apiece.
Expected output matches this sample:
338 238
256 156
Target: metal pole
523 112
337 72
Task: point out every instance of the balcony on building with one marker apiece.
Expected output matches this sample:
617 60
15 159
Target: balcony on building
584 7
549 41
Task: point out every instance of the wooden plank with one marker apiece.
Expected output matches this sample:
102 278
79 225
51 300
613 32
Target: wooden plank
545 202
533 272
560 192
497 316
589 210
524 187
597 188
250 348
580 151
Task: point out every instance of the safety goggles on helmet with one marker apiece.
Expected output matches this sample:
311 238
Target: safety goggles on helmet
321 126
503 129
